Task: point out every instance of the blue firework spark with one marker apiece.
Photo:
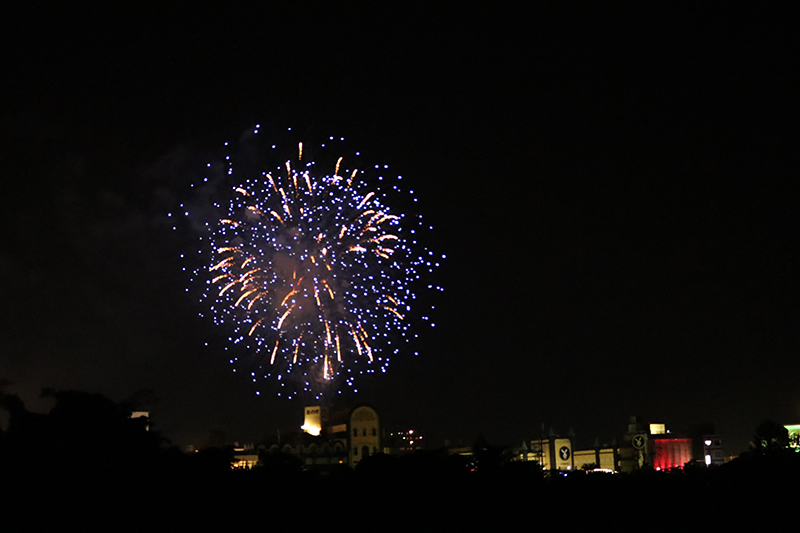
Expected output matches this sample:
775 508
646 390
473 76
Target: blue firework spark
312 271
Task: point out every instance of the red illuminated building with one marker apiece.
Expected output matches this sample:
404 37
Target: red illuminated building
671 452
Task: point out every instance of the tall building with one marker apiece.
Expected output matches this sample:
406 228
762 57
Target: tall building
554 453
316 418
637 449
357 430
671 451
365 435
712 453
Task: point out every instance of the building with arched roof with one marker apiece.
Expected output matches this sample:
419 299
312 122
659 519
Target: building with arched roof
355 430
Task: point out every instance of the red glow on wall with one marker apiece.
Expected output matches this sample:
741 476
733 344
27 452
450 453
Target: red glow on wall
672 453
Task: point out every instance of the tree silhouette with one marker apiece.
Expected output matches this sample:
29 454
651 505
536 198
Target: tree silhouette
770 437
83 432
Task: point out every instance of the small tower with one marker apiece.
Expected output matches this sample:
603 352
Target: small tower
316 418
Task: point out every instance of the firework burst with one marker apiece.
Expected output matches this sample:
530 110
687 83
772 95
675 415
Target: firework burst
311 271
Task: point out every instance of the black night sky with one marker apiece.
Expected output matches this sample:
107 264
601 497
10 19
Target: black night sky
615 190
